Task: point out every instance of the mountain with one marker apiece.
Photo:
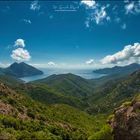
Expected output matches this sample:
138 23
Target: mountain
49 96
23 118
123 70
112 95
68 84
43 93
21 70
58 107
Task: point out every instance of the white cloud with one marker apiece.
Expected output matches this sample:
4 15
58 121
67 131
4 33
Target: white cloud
90 62
100 15
28 21
130 53
97 15
129 7
19 43
51 63
20 54
132 7
123 26
35 6
89 3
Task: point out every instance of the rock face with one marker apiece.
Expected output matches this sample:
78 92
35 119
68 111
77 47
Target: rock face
126 121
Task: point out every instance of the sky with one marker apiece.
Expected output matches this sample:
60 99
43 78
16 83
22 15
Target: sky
70 34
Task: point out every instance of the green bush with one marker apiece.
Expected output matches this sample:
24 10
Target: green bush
104 134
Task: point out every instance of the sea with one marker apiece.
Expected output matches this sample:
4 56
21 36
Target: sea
85 73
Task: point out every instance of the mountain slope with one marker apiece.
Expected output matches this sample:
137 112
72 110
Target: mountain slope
10 81
23 118
123 70
115 95
21 70
41 92
68 84
47 95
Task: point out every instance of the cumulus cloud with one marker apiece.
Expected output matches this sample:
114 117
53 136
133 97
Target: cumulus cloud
51 63
90 61
89 3
128 54
27 21
20 54
35 6
19 43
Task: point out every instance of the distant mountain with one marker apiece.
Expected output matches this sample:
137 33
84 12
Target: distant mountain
119 69
21 70
68 84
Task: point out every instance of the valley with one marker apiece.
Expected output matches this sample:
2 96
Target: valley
64 106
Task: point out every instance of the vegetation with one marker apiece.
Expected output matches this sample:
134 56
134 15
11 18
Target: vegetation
68 84
104 134
47 95
114 94
23 118
59 107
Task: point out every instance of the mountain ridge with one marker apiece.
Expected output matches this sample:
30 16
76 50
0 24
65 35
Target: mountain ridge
123 70
68 84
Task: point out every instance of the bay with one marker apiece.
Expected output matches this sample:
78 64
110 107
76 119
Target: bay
85 73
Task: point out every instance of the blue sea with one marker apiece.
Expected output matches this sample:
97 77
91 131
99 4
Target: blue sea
85 73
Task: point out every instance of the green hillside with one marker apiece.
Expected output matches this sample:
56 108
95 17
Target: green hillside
113 95
10 80
69 84
47 95
23 118
50 109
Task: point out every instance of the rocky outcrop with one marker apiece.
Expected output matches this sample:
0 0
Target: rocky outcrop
126 121
8 106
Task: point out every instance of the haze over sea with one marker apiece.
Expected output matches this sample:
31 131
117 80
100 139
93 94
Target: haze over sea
85 73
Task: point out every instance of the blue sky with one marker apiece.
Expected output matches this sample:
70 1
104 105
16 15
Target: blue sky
70 33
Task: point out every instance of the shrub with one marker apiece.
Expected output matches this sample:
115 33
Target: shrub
104 134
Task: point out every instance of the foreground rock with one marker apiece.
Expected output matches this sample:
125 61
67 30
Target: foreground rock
126 121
